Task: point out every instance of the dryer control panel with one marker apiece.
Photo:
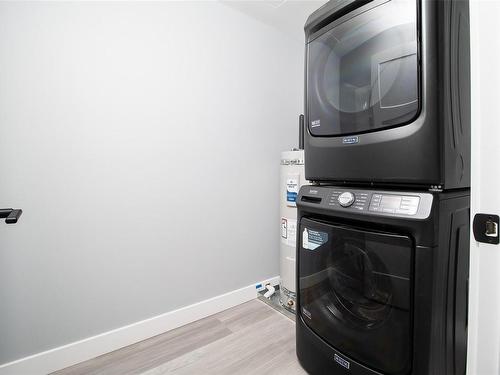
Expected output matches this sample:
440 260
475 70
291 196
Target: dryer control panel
414 205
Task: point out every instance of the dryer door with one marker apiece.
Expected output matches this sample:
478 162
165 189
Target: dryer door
355 292
362 74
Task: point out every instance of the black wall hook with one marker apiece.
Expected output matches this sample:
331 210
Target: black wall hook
10 215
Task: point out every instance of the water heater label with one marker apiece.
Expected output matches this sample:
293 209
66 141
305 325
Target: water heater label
292 189
288 231
312 239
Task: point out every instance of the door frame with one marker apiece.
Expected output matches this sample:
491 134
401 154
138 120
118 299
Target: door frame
483 356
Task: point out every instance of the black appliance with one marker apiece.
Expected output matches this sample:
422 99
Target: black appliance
382 280
388 93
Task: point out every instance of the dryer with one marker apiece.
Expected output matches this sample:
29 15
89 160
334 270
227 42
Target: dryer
387 93
382 280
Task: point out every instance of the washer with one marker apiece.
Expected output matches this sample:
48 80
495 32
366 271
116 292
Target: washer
382 281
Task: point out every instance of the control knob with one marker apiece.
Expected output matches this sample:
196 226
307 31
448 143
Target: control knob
346 199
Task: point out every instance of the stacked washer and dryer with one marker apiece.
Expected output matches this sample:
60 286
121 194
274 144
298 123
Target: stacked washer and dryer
383 231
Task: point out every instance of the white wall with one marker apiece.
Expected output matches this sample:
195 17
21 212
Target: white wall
142 141
484 309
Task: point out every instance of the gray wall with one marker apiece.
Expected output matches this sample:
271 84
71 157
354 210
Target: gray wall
142 140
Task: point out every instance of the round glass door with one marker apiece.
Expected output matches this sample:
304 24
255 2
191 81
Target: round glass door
362 74
360 297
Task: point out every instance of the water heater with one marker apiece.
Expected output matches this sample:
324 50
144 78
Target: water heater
292 177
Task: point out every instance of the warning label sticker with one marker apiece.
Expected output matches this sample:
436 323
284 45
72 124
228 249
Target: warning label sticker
312 239
288 231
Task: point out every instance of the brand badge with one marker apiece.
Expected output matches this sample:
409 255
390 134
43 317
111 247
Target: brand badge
350 140
341 361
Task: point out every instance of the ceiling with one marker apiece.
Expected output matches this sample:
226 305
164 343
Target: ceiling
287 15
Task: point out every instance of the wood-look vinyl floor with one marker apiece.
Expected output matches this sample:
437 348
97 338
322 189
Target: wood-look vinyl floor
251 338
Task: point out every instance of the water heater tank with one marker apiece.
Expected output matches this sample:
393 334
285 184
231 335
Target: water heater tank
292 177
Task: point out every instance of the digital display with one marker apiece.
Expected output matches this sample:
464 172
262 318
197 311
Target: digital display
390 201
395 204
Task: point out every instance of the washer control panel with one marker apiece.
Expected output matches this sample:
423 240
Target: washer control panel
355 200
415 205
346 199
394 203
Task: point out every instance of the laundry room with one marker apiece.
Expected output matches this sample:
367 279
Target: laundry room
249 187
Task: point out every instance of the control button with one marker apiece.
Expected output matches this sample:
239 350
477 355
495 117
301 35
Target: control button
346 199
412 200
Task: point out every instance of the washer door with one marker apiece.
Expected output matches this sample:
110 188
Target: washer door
355 292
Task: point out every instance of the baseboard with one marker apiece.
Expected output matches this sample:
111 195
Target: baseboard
79 351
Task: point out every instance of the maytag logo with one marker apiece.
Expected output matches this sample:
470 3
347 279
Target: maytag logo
350 140
315 123
341 361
